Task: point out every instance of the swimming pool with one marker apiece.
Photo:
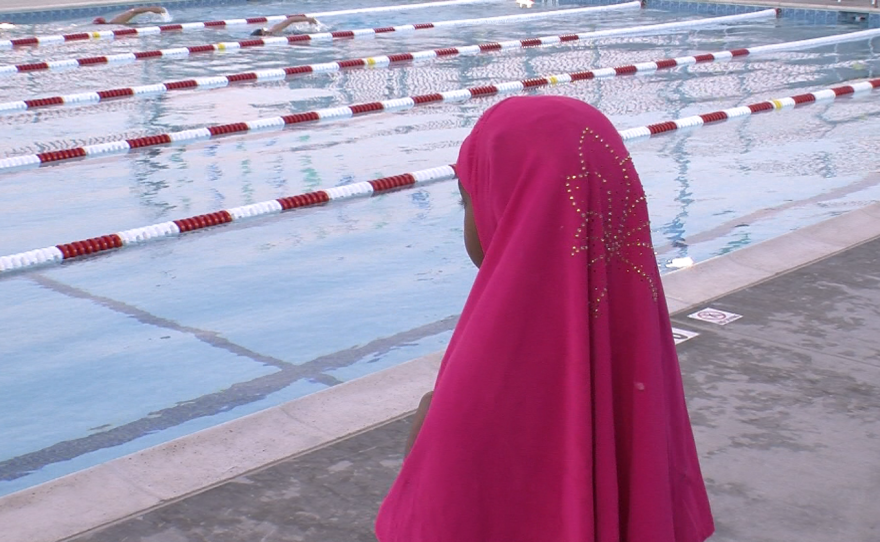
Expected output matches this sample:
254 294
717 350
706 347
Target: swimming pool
112 354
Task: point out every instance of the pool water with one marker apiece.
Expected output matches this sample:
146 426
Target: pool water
112 354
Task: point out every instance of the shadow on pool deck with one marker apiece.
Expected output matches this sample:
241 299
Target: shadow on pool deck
785 404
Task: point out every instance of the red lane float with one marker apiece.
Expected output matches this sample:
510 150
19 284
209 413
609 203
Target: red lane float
206 83
187 27
335 113
826 95
59 253
298 39
104 243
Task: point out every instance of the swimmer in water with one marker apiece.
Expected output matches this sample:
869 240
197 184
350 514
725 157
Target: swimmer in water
280 27
126 16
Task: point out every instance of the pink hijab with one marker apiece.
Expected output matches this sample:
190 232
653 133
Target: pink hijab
558 414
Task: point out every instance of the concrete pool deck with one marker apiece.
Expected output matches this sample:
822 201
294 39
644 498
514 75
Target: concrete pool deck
785 403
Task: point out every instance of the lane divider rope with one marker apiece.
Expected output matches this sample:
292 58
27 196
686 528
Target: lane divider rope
296 39
778 104
188 27
221 81
68 251
344 112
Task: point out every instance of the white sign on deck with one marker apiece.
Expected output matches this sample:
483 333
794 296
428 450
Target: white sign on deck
715 316
682 335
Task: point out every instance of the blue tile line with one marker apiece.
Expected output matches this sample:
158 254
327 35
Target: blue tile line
810 16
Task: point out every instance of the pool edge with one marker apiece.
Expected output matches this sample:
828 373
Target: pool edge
134 484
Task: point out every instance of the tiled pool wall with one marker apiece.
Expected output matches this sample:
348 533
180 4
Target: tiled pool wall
815 16
864 18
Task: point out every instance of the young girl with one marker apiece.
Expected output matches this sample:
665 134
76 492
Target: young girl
558 414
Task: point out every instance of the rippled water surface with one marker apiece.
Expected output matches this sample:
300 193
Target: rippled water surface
102 357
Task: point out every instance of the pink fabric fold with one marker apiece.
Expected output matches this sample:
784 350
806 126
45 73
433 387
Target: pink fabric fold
558 414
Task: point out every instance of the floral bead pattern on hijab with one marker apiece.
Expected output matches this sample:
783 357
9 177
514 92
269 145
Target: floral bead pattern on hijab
618 235
558 414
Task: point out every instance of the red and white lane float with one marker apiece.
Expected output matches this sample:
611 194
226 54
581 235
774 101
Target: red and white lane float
67 251
343 112
77 249
778 104
207 83
38 41
297 39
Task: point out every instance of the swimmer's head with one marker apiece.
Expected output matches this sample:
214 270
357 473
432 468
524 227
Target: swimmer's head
261 32
99 20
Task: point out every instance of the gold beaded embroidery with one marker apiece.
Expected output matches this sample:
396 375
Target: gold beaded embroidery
616 239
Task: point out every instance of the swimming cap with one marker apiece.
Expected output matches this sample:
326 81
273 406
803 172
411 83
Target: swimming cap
99 20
